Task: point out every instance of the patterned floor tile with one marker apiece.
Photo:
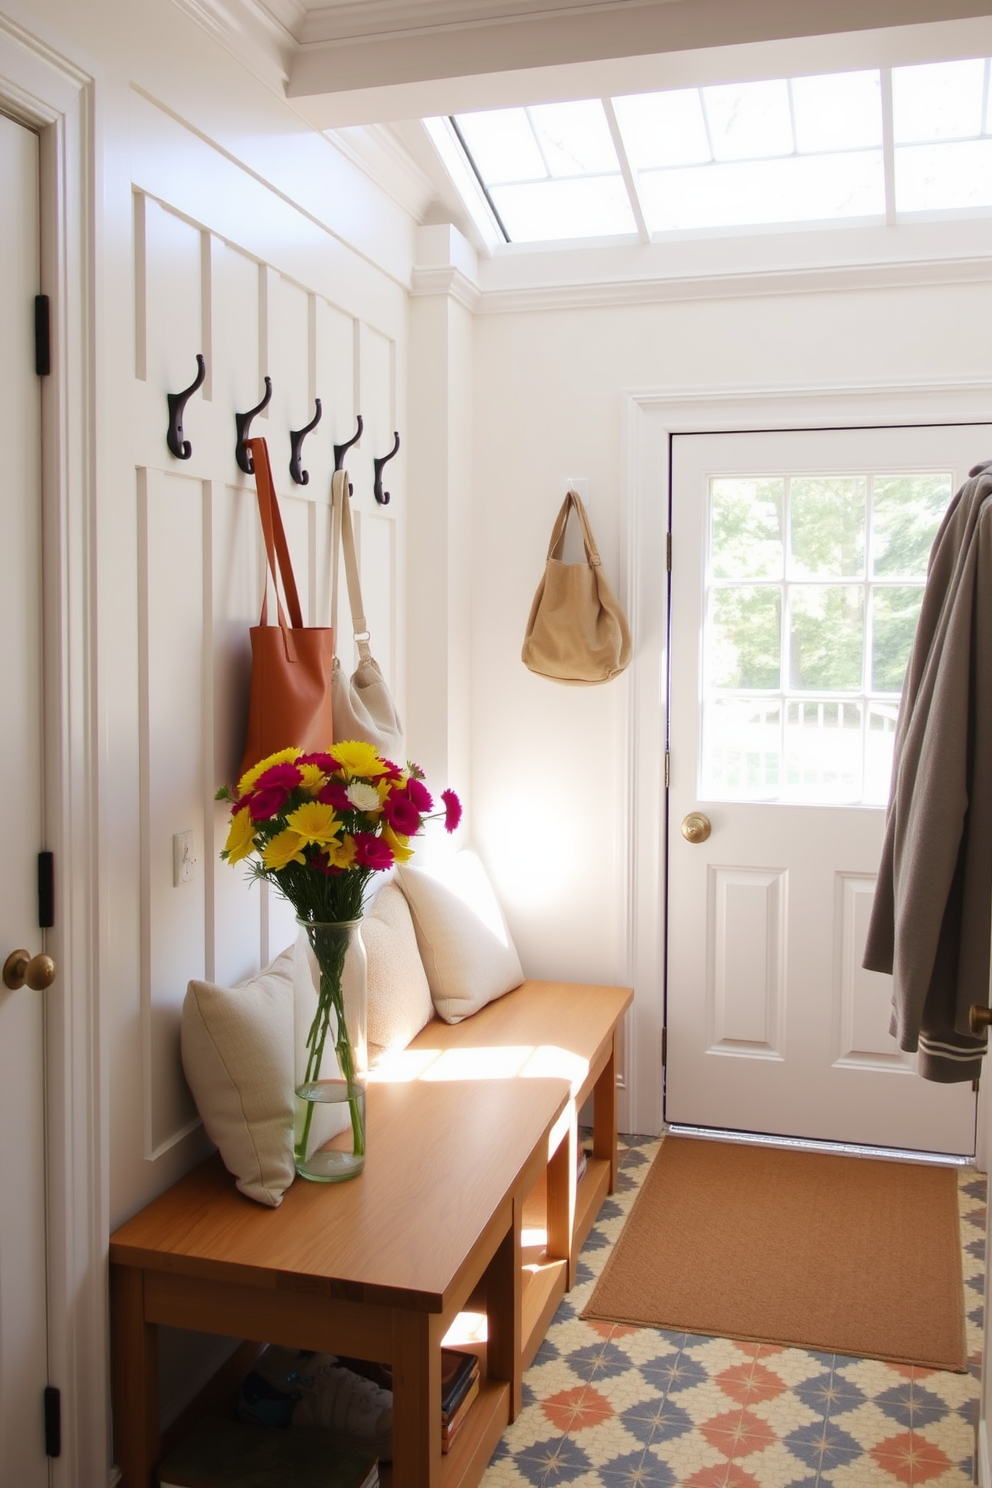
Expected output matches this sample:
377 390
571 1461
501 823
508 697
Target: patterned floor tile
609 1406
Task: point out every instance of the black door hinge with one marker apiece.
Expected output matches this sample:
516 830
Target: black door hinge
46 890
42 336
53 1421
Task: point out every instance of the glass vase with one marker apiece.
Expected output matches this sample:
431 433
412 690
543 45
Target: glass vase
331 1054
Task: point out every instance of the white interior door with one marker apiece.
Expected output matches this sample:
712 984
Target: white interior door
23 1349
797 566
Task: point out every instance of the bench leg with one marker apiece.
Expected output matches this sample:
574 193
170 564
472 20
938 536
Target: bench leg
134 1379
504 1308
604 1127
562 1167
416 1399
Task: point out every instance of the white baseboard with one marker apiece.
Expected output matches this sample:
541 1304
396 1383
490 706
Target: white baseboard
984 1478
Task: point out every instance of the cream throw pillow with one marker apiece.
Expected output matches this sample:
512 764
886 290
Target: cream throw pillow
464 940
237 1048
399 993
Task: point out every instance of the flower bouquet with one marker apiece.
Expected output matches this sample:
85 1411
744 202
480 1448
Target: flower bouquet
318 826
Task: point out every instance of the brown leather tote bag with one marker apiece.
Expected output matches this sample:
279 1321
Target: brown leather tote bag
576 631
290 699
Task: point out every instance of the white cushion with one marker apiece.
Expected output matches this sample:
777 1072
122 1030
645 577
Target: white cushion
238 1057
399 994
237 1046
464 940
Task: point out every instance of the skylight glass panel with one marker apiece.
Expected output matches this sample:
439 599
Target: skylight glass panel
749 121
583 207
934 178
503 146
754 193
660 129
939 101
840 111
575 138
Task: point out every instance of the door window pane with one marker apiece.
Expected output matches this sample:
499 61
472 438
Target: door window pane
826 641
746 528
823 751
744 638
828 527
742 747
895 612
906 512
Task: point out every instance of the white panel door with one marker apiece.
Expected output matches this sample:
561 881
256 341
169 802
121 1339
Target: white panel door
23 1343
797 569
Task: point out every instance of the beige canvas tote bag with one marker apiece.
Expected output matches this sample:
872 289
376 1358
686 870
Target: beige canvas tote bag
576 631
363 707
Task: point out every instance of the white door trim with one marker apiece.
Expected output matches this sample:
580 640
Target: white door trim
652 416
49 93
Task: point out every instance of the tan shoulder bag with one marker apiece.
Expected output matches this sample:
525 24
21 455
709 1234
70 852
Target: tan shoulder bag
576 631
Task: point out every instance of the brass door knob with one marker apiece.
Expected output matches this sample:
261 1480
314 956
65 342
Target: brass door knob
38 972
979 1018
696 827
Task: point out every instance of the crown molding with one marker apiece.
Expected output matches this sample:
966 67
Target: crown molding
447 280
375 150
253 33
746 285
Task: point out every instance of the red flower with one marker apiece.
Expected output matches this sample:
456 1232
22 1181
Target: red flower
271 791
452 810
322 760
372 852
419 794
335 793
401 814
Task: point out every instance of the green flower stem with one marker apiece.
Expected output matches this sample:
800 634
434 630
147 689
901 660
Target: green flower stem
330 948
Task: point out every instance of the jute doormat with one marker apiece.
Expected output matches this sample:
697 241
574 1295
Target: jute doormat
842 1255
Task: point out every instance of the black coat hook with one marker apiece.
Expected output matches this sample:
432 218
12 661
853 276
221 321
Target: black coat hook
296 438
340 450
243 422
379 461
180 447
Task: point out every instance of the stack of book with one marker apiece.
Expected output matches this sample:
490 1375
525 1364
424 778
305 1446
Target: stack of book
230 1454
459 1387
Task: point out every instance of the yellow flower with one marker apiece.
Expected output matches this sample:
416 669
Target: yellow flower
358 758
402 851
241 837
341 854
283 757
285 847
314 778
314 822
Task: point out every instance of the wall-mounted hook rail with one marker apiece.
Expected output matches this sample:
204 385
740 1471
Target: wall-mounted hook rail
296 438
379 461
243 424
340 450
180 447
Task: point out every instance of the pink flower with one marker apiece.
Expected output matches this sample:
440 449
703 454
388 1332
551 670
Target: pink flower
401 814
419 794
272 789
322 760
452 810
372 852
335 793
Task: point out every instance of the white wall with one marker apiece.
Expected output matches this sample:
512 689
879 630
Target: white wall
560 817
211 219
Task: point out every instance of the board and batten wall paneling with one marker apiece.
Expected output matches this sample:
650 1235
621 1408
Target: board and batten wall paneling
200 560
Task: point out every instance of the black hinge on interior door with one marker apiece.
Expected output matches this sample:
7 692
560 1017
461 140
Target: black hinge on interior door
53 1421
42 336
46 890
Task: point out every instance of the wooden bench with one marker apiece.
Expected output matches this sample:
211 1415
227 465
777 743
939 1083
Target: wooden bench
472 1144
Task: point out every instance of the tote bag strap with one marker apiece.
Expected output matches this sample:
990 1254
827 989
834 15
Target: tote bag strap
556 546
279 563
343 539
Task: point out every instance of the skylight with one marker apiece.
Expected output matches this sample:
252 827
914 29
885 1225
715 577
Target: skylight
864 146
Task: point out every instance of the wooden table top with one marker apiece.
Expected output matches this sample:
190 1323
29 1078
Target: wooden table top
442 1156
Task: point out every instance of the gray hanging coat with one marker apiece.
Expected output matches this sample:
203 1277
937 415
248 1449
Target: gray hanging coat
932 915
